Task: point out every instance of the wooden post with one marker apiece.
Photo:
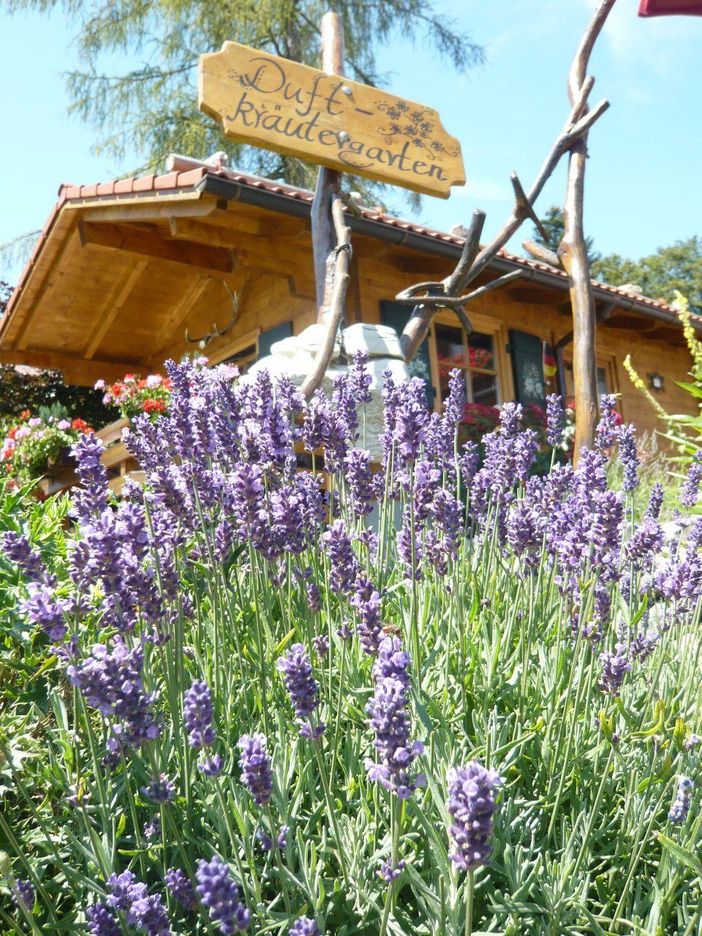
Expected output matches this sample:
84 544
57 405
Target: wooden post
323 236
573 253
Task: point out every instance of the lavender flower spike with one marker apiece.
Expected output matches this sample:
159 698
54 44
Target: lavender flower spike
303 926
198 715
629 457
472 803
219 893
691 485
255 763
391 722
102 921
681 806
615 666
302 688
23 894
180 886
554 420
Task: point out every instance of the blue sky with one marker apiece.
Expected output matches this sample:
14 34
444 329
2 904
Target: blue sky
644 185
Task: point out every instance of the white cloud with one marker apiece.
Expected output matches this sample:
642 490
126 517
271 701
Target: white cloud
646 45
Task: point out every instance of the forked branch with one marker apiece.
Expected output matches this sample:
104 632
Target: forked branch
428 298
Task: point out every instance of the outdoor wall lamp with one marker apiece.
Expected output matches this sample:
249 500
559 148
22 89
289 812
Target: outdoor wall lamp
656 382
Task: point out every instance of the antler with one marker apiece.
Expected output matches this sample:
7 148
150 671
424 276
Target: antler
216 331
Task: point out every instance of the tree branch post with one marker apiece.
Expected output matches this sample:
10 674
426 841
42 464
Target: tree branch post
331 237
572 251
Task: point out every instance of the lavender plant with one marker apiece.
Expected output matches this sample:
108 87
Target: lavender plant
426 696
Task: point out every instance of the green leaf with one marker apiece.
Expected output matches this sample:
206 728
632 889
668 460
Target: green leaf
681 853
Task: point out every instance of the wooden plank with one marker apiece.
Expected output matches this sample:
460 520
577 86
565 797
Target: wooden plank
113 431
52 278
145 243
133 209
179 316
75 370
113 306
301 111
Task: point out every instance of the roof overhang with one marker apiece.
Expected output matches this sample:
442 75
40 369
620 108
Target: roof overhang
121 268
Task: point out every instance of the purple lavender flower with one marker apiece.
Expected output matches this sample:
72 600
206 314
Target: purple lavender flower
102 921
152 829
470 462
655 501
18 550
111 682
681 805
362 485
255 763
390 872
220 894
472 792
390 721
510 419
211 766
370 625
302 687
180 886
691 485
455 402
91 498
554 420
160 789
43 608
321 645
314 599
615 666
121 887
629 457
198 715
691 742
342 559
143 910
608 426
345 631
645 541
360 379
23 894
303 926
148 913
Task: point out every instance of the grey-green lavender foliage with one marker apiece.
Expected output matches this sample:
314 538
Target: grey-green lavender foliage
526 624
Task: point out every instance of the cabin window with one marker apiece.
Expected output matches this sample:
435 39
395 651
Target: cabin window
474 355
605 382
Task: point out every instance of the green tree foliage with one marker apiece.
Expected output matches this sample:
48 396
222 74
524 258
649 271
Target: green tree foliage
152 107
678 267
27 388
553 223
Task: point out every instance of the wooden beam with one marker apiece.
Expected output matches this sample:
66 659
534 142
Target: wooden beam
135 210
113 305
75 370
145 244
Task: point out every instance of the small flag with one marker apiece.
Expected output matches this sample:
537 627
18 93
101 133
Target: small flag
550 366
670 7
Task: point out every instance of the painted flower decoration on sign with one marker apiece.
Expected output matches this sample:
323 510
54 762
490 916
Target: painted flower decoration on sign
413 124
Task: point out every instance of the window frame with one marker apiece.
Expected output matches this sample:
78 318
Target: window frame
485 325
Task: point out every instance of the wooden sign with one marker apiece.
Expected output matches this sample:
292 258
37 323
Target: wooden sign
326 119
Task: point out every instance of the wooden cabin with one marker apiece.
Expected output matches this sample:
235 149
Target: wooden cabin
129 273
